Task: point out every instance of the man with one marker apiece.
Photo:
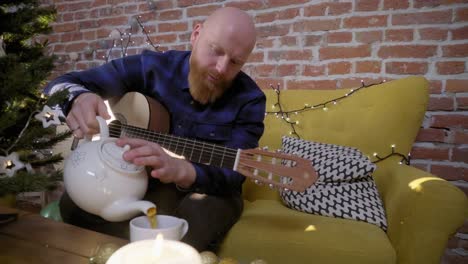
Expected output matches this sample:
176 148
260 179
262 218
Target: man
208 98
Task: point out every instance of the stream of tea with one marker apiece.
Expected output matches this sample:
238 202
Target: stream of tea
151 214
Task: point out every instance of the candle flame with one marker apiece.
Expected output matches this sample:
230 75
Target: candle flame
158 246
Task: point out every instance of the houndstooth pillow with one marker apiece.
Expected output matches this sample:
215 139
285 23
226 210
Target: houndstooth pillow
344 188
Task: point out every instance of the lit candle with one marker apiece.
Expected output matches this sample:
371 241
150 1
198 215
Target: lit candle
157 251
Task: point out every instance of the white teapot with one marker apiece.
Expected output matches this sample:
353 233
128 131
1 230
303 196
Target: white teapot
101 182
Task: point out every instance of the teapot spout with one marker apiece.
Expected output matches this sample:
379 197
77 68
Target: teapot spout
122 210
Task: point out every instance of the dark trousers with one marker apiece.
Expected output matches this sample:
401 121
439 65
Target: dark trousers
210 217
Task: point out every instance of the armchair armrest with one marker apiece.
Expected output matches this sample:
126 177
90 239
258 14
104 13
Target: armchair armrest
423 211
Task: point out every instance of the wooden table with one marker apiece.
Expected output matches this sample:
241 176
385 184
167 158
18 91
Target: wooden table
34 239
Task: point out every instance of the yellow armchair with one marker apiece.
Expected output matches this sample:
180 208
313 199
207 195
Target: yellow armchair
423 211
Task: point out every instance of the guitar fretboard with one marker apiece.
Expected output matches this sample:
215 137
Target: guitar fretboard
193 150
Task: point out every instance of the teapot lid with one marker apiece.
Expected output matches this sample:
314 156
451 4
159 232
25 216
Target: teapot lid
113 154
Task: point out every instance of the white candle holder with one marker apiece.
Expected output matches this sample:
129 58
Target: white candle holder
157 251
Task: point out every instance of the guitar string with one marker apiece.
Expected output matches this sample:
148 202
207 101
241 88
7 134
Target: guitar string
178 141
171 139
225 152
143 132
219 153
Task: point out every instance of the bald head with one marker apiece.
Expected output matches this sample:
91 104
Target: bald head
220 47
234 24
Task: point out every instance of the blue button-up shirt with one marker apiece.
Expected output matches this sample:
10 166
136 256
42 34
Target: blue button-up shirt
235 120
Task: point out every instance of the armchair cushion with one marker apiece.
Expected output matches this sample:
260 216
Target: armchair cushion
277 234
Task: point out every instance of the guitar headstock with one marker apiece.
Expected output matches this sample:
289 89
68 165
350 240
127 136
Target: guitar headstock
278 170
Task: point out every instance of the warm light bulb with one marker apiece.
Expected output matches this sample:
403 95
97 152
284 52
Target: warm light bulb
297 122
325 109
375 154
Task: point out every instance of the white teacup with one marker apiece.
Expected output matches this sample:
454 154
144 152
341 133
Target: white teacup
171 227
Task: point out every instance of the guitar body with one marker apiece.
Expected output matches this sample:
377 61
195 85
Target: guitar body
141 111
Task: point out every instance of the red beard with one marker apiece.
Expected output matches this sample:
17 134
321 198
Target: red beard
203 89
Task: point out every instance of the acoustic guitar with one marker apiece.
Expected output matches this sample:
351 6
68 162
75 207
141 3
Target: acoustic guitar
138 116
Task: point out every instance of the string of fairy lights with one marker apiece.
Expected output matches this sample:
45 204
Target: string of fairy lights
286 116
122 40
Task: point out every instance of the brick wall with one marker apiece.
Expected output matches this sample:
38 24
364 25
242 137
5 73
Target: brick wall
315 44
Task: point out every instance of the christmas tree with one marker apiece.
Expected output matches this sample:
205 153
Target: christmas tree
27 119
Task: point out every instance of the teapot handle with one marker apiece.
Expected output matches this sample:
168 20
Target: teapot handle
103 129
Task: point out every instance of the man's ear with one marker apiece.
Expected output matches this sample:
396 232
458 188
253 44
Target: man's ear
195 33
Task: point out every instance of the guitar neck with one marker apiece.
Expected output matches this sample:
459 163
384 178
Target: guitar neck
193 150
